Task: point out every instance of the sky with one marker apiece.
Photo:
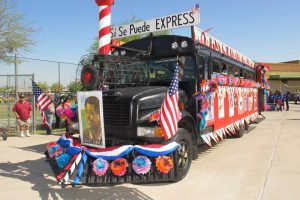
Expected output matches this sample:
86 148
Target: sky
263 30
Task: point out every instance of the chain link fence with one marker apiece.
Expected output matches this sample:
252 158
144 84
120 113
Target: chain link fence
13 85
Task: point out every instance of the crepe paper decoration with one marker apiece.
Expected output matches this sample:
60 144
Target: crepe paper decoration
50 144
54 150
118 166
100 166
141 165
62 160
164 164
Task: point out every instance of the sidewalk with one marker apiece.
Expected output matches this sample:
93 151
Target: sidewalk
283 178
264 164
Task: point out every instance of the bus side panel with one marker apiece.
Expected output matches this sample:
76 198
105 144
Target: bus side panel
245 103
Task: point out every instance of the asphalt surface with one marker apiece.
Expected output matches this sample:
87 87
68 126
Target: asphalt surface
264 164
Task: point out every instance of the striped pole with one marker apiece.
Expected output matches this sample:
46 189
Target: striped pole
104 26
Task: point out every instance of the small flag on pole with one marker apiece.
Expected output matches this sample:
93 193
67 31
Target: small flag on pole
42 100
169 112
195 9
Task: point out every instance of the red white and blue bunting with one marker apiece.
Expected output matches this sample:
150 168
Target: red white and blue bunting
75 156
229 130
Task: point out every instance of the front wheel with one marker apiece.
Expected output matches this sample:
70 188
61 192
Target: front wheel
184 154
240 133
4 135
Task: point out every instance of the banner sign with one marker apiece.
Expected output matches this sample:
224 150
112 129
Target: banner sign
179 20
209 41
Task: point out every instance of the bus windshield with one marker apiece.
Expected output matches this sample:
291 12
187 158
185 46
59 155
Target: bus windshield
163 70
120 71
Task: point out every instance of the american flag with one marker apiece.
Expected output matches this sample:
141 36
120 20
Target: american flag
169 112
42 101
195 8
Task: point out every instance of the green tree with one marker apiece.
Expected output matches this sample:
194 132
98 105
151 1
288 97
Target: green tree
57 87
15 32
74 87
43 85
6 89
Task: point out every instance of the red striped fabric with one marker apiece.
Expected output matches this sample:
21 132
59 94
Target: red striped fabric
169 112
42 101
104 30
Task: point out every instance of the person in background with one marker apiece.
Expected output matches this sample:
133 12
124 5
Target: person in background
297 96
278 101
22 110
286 98
67 105
57 102
49 113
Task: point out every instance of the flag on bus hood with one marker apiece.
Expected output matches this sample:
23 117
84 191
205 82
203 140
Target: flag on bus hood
169 112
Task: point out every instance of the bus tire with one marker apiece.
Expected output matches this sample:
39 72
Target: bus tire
185 153
240 132
246 126
4 135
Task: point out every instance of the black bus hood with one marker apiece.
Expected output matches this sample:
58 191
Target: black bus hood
125 109
135 92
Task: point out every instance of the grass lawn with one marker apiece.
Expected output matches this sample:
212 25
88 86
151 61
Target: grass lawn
5 109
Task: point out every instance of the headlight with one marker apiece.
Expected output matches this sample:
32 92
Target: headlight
174 45
149 132
184 44
123 52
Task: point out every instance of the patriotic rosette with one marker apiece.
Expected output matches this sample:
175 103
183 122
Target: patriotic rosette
54 150
164 164
62 160
50 144
141 165
67 148
100 166
118 166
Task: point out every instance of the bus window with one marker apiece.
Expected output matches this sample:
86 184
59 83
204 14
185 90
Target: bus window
236 71
241 73
202 70
224 69
247 75
188 67
216 67
230 70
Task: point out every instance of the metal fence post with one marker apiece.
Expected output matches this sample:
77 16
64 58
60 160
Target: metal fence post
33 113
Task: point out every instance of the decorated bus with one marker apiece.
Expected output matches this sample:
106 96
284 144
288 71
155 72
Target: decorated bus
155 100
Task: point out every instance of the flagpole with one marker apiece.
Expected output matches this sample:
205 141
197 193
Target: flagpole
34 109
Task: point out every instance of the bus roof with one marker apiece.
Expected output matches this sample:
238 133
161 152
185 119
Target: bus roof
207 40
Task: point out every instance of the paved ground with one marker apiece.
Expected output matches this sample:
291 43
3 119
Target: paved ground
264 164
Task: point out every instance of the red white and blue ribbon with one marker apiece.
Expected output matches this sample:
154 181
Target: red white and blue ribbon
154 150
109 154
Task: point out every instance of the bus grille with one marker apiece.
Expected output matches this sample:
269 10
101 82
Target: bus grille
116 111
